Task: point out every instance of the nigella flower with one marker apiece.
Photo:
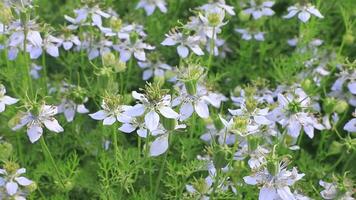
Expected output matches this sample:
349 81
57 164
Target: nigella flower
50 44
304 12
185 43
151 69
68 41
4 99
331 191
136 47
275 184
248 34
221 4
69 108
257 157
201 188
13 181
198 102
259 9
94 13
137 124
17 38
112 111
36 119
150 6
96 48
153 104
345 77
292 113
212 20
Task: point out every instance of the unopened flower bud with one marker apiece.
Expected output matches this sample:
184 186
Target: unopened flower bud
109 59
120 66
341 106
5 14
329 104
5 150
348 38
244 16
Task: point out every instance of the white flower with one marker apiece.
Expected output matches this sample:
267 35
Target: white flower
291 113
212 21
331 191
137 48
249 34
185 42
69 108
257 10
198 102
87 16
97 48
157 69
69 41
13 182
275 186
4 99
111 113
152 109
135 124
35 122
150 6
221 4
304 12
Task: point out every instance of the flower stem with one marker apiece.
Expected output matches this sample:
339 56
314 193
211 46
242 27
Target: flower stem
49 155
163 164
212 47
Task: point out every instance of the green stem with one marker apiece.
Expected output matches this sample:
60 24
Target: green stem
128 74
212 47
44 66
216 183
49 155
160 173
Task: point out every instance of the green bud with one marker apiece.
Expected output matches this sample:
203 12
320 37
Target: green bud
307 85
108 59
32 187
348 38
244 16
329 104
335 148
120 66
6 150
341 106
5 14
